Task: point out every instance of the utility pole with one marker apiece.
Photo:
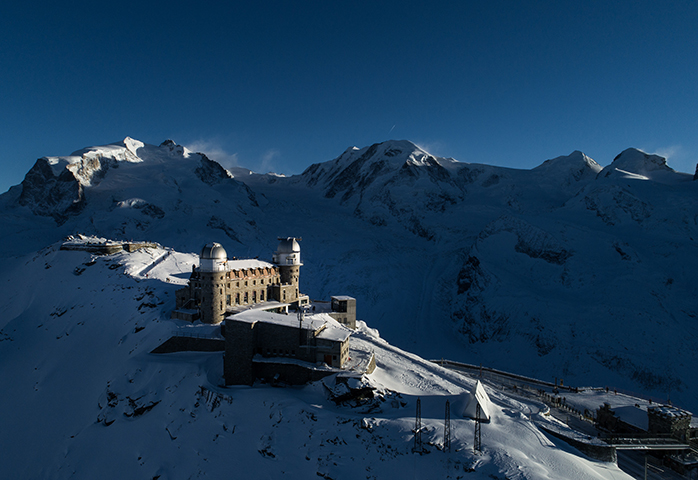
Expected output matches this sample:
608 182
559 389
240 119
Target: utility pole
418 428
447 428
477 444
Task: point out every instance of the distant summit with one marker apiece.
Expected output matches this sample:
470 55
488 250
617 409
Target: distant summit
638 163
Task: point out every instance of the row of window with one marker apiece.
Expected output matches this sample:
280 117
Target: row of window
274 351
245 284
244 298
250 273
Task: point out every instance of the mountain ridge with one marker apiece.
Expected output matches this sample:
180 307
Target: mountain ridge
478 259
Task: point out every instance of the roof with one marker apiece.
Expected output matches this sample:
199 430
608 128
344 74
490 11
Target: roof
633 415
213 250
329 328
248 263
668 411
288 245
342 297
266 305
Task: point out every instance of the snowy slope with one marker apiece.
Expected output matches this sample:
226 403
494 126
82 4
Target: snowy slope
129 190
84 398
568 270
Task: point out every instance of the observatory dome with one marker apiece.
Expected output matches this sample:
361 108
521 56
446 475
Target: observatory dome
288 245
213 251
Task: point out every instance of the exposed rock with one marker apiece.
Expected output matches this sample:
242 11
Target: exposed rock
210 172
49 195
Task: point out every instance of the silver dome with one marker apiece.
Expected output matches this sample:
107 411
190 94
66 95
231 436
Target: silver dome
288 245
213 251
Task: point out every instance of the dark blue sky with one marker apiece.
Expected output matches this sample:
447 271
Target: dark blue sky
280 85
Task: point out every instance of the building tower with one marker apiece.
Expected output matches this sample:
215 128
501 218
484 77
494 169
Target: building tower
212 266
288 258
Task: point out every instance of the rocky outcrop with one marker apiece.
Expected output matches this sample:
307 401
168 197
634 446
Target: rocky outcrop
50 195
210 172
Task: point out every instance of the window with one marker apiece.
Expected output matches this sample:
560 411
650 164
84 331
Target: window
238 284
245 297
227 299
254 297
254 282
245 282
237 299
261 296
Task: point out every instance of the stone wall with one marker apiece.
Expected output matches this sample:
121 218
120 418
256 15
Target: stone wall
239 350
191 344
270 340
669 420
289 373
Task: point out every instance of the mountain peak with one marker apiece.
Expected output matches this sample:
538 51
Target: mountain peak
634 163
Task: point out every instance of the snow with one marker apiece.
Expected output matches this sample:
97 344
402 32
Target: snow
554 272
331 329
88 400
247 264
478 396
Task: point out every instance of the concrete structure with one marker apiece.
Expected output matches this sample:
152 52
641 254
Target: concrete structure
285 348
344 310
220 286
104 247
340 307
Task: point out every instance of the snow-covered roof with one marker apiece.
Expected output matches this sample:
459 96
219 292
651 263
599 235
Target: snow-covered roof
633 415
291 361
669 411
329 328
247 264
262 306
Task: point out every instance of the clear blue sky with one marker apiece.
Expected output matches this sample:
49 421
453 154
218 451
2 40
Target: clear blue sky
280 85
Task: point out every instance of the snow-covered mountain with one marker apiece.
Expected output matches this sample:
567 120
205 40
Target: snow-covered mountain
568 270
128 190
84 398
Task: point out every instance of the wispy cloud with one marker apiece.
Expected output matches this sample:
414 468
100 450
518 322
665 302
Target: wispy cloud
434 147
215 151
268 163
678 158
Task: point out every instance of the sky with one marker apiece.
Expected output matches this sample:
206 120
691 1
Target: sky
279 85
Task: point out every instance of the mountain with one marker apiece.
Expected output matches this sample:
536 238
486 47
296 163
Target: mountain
131 190
568 270
84 398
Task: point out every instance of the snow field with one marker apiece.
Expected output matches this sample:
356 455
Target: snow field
86 400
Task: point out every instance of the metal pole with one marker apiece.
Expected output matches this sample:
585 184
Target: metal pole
447 428
418 428
477 444
645 466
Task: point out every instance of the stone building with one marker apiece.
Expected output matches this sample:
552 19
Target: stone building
669 420
261 339
221 286
284 348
